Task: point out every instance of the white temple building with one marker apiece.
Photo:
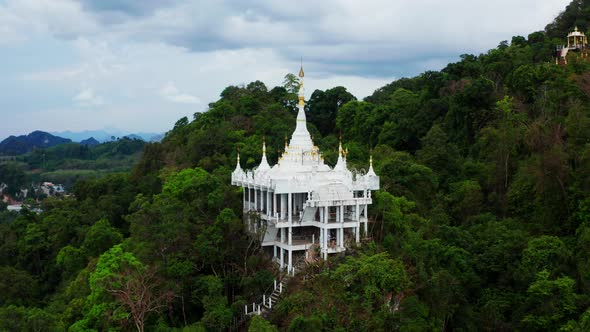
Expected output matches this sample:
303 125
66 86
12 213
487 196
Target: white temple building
301 206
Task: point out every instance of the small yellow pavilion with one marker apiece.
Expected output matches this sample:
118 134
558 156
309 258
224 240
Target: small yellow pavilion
576 39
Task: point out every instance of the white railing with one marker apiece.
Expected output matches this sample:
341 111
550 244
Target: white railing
266 301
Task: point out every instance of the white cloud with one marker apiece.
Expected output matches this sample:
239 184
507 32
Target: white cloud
62 74
87 97
171 93
201 47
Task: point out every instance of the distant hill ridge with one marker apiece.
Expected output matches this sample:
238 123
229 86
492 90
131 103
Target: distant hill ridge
89 141
15 145
105 135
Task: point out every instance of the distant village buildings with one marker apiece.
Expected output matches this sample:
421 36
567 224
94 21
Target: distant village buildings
45 189
302 207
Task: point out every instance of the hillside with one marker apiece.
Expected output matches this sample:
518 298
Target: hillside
15 145
67 163
482 221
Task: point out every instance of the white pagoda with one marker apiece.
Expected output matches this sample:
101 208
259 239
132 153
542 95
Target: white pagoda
301 206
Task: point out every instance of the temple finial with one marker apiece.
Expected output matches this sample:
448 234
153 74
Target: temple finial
371 170
301 73
263 163
238 167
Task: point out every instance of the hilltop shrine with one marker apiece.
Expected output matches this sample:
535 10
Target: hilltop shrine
576 42
301 206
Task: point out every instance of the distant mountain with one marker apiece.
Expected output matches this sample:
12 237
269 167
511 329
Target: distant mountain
157 138
99 135
103 135
15 145
90 142
134 136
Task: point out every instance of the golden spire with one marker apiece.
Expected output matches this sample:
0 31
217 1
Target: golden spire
301 73
264 145
371 170
286 142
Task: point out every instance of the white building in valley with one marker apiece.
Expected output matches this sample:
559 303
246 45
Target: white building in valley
301 205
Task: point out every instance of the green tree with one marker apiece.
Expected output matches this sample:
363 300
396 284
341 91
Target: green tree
121 288
100 237
465 199
549 302
16 287
380 279
259 324
323 107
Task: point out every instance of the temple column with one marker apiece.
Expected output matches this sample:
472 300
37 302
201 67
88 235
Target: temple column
282 257
274 204
290 207
290 260
274 251
268 203
282 235
341 231
290 235
358 223
255 199
341 212
283 206
366 221
325 244
244 199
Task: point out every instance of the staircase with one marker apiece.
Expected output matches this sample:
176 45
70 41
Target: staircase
276 290
269 302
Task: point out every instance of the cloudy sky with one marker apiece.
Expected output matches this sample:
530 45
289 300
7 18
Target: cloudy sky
141 65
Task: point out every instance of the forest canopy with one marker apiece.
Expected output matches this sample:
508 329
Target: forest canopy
482 222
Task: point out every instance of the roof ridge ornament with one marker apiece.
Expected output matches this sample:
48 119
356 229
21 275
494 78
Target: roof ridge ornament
263 163
371 170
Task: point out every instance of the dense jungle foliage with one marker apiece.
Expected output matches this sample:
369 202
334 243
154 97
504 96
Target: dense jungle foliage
482 222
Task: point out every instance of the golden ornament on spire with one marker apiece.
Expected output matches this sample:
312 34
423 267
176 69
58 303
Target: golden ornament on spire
301 73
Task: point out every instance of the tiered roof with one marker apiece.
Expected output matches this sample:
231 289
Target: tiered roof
301 167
